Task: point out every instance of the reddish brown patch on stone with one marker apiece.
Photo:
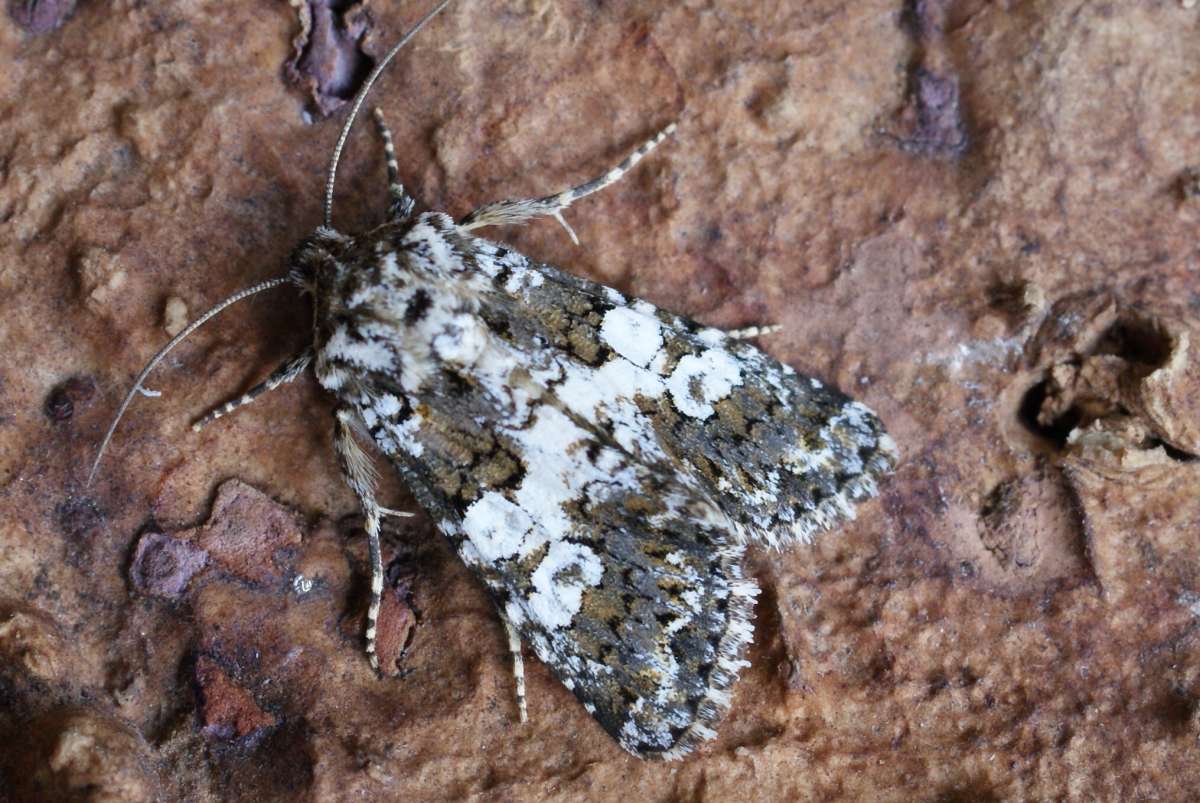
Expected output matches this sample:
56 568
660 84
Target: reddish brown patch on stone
1029 524
1164 386
247 533
1141 510
1088 391
397 619
227 710
1073 325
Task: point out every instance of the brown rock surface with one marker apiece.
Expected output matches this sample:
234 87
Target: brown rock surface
977 217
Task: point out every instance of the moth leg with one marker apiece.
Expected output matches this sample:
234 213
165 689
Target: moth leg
751 332
280 376
502 212
360 475
514 646
402 204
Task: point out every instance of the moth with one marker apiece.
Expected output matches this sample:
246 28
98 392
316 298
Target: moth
600 464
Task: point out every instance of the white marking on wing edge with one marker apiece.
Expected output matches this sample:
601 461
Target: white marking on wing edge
635 336
496 526
559 582
698 381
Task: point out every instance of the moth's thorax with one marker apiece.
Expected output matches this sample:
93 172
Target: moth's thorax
399 301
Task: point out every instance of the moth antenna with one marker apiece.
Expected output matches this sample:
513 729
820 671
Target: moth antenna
358 102
157 358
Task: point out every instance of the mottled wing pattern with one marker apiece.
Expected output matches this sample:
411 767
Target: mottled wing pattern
599 462
621 573
626 582
783 455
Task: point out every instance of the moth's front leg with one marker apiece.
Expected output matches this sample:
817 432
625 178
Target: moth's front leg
360 475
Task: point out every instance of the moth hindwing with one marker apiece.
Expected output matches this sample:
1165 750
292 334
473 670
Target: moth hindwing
599 463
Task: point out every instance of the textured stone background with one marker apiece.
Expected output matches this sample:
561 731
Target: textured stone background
978 217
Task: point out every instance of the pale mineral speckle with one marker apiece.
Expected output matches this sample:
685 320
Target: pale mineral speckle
301 585
175 315
1191 601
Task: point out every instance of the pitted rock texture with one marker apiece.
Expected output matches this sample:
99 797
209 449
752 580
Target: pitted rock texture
979 218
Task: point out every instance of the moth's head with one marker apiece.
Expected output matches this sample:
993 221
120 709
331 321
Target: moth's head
315 265
314 261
